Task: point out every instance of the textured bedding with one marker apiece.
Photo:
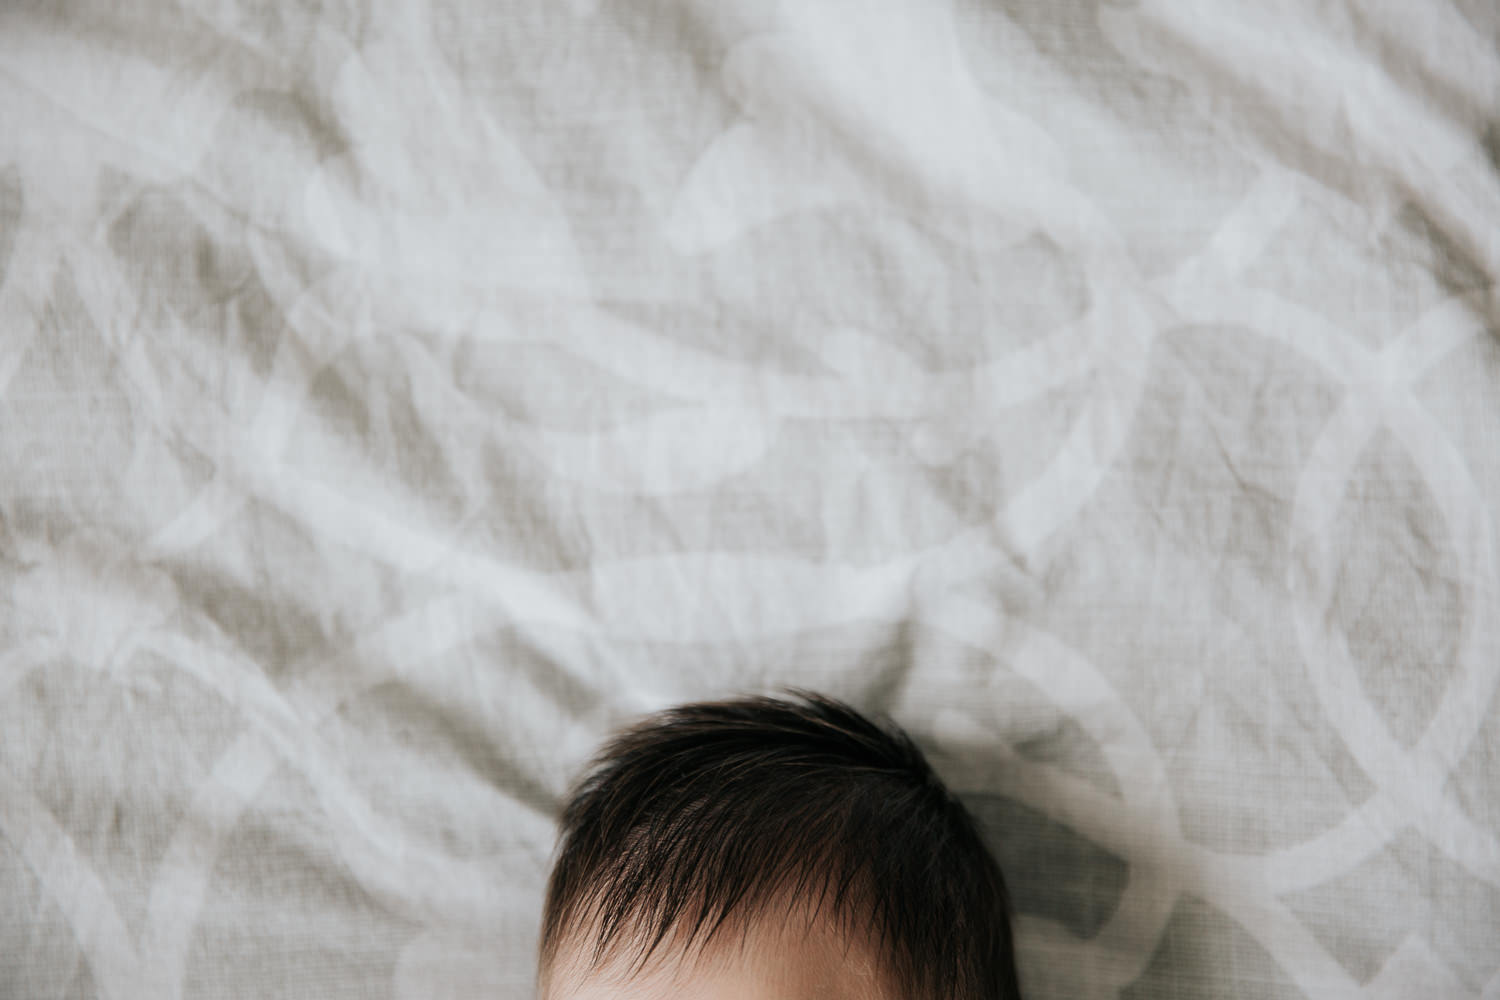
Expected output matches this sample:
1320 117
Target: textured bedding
395 398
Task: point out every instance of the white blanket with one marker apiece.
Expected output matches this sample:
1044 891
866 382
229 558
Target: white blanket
395 397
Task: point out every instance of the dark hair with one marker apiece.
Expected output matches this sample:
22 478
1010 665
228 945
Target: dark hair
701 816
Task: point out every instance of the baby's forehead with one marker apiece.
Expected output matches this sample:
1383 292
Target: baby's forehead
788 952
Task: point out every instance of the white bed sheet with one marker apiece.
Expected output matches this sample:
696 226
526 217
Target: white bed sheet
394 397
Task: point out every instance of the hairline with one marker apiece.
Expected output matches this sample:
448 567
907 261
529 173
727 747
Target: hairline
582 952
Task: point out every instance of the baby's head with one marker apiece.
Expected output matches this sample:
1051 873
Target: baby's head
767 849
